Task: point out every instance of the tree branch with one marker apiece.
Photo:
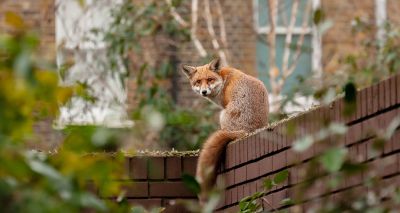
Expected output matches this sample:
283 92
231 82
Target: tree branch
210 28
300 41
196 42
273 71
288 40
176 15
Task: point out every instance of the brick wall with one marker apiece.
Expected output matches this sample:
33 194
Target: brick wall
248 162
241 45
156 181
38 16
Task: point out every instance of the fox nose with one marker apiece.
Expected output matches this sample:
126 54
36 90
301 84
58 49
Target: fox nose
204 92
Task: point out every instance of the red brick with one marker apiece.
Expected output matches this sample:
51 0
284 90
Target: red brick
387 93
395 140
277 197
246 190
228 157
240 174
253 187
392 81
189 165
279 161
245 150
237 153
240 192
382 94
358 106
146 203
265 166
363 102
173 170
258 145
234 193
264 144
375 97
169 189
370 107
389 165
228 196
398 88
138 168
156 168
230 178
242 152
252 170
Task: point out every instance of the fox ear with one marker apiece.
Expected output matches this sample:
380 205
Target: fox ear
188 70
215 65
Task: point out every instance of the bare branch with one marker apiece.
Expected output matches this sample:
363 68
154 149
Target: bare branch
288 41
300 42
269 203
273 71
197 43
210 28
221 22
178 18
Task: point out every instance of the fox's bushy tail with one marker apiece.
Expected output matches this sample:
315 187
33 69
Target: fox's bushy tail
210 156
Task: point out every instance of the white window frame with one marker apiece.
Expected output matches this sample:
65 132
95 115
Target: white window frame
380 19
68 39
313 31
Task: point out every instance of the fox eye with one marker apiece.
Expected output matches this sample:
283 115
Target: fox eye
197 82
210 80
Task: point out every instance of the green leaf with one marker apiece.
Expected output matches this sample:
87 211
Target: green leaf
286 202
350 92
281 177
333 159
44 169
303 143
319 16
191 183
268 184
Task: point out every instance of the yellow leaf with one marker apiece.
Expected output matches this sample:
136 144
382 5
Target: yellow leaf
64 94
14 20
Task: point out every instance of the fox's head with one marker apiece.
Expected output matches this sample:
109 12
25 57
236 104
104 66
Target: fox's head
205 80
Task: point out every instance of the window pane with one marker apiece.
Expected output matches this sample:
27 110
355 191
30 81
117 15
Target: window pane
303 67
284 12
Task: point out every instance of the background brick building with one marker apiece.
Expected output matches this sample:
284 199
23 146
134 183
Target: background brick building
242 35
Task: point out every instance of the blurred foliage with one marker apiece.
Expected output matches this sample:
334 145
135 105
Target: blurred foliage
158 119
375 61
251 203
35 181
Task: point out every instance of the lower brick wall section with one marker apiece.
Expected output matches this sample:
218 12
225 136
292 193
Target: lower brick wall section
250 161
156 181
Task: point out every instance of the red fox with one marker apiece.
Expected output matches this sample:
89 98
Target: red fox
244 103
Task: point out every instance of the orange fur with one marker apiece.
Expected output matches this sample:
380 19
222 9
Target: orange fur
210 156
244 100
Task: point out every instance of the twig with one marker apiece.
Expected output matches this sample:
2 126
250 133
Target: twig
269 204
178 18
221 21
288 40
210 28
273 72
300 41
196 42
